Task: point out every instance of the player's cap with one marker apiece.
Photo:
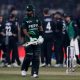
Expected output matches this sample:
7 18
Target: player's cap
46 10
29 8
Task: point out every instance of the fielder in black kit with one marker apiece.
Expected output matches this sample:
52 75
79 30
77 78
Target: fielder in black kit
10 33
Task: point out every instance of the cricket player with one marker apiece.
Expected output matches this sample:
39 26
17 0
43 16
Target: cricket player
72 31
32 30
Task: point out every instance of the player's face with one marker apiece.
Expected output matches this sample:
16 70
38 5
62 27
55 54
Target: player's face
68 19
29 13
15 12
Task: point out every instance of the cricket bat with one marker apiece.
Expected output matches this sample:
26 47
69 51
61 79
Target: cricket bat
30 43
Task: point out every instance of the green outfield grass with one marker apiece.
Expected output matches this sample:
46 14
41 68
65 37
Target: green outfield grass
41 77
44 74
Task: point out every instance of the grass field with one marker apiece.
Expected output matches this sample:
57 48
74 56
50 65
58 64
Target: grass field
44 74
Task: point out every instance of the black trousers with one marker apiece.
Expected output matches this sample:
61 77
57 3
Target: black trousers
3 48
46 48
32 55
58 45
12 45
15 55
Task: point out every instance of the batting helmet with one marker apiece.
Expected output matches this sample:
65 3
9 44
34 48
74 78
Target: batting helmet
29 8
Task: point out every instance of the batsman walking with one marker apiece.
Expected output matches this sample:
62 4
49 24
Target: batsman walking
31 28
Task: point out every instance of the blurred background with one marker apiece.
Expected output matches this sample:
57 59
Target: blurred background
67 6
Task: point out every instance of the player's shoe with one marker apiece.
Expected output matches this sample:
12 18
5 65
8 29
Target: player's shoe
43 65
48 65
35 76
2 64
15 65
23 73
8 65
57 65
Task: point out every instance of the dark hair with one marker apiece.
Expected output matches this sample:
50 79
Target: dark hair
29 7
46 10
71 17
59 13
12 9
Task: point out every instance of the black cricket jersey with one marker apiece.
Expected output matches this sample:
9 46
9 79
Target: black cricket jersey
10 28
31 24
48 25
1 29
58 26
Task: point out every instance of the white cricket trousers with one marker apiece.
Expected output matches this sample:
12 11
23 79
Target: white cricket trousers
74 43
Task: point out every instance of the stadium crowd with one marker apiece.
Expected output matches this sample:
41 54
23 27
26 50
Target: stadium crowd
59 30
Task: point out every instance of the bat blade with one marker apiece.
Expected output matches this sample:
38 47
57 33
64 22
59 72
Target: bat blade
30 43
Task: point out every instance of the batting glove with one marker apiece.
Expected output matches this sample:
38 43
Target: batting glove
40 40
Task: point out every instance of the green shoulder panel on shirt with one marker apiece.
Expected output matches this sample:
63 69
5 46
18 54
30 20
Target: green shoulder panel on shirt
70 30
32 25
